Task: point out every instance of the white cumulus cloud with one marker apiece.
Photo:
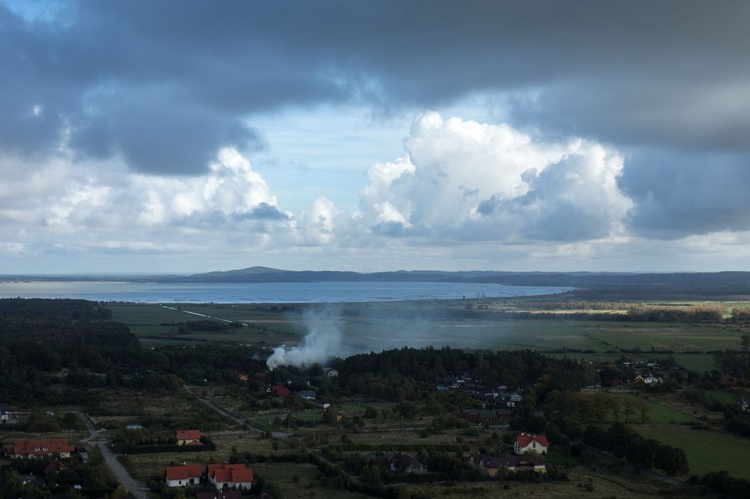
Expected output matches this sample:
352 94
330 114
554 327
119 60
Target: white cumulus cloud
471 181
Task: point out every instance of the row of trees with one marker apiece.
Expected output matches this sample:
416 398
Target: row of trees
624 443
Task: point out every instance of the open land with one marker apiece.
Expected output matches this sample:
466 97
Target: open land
274 433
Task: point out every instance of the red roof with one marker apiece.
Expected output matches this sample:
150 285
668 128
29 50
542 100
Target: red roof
230 473
188 434
524 440
184 472
41 447
279 391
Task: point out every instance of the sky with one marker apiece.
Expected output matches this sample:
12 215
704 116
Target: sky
192 136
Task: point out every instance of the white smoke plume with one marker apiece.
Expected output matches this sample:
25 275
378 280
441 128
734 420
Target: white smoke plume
323 341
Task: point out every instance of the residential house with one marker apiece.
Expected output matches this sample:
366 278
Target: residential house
492 465
525 443
185 475
41 448
401 464
516 397
307 395
648 379
189 437
56 465
231 475
278 391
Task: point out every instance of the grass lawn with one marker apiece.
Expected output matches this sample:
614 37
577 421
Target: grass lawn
706 450
661 413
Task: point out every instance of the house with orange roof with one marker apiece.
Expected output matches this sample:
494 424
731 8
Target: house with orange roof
526 443
231 475
41 448
181 476
189 437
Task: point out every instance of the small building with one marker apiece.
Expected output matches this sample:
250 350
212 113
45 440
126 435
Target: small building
401 464
189 437
525 443
231 475
41 448
4 412
181 476
307 395
278 391
516 397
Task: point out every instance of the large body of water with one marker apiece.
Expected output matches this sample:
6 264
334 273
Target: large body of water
271 292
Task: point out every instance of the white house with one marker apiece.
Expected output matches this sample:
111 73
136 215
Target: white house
181 476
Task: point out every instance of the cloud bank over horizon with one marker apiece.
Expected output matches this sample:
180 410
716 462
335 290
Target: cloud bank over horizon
181 137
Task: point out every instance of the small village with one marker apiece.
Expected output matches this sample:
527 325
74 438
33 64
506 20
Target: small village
492 407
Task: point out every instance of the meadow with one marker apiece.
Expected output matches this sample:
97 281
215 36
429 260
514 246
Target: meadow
375 327
707 450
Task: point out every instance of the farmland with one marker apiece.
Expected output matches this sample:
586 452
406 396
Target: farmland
373 327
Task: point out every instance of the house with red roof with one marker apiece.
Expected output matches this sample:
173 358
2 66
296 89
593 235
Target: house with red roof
525 443
189 437
181 476
278 391
231 475
41 448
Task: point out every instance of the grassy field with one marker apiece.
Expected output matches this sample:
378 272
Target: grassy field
374 327
661 413
706 450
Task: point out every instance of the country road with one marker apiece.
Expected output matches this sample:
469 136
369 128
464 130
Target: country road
138 489
216 408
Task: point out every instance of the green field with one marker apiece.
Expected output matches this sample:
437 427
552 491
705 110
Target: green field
706 450
374 327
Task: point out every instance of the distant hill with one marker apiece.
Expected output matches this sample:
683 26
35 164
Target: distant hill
588 285
603 285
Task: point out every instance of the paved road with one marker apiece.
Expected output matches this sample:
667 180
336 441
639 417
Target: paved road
138 489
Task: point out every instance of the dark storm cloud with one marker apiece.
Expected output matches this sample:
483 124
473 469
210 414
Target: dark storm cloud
677 195
165 84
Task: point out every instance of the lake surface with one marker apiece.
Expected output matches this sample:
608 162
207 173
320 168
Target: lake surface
271 292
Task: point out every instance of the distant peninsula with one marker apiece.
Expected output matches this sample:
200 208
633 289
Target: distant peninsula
602 285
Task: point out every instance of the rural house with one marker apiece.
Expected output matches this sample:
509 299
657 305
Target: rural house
189 437
41 448
181 476
307 395
525 443
278 391
231 475
401 464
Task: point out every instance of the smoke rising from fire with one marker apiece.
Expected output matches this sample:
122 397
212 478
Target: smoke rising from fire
322 342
